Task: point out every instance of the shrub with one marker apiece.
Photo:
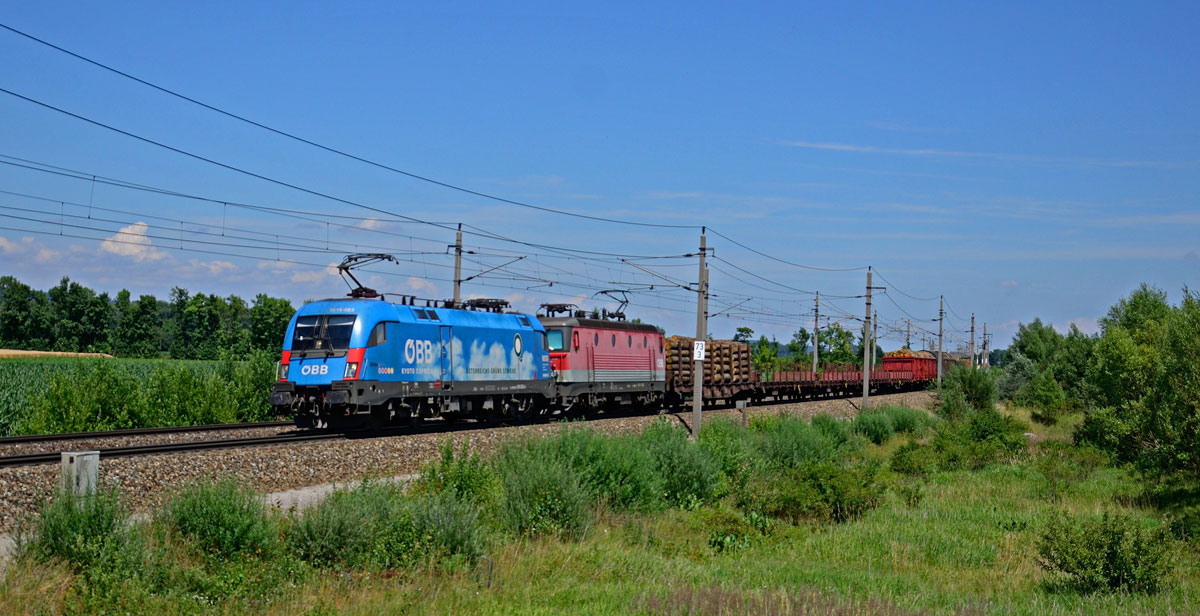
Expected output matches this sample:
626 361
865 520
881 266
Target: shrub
446 527
990 427
81 530
978 387
342 529
791 442
221 517
834 429
1045 395
1107 430
1112 553
1018 370
542 493
730 446
617 471
913 458
905 419
952 405
874 425
690 476
465 475
820 492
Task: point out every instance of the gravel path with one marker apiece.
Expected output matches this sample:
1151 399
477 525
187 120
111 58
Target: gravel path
144 480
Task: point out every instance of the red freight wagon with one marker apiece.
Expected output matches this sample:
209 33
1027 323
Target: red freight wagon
599 363
921 364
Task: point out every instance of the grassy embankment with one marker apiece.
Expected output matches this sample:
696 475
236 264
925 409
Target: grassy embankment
65 394
787 517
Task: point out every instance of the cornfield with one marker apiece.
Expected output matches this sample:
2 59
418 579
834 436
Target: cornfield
50 395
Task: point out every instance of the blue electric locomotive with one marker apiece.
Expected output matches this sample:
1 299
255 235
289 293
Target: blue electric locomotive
346 361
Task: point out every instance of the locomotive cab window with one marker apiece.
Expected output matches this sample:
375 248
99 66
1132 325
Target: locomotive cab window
378 335
432 315
324 333
555 339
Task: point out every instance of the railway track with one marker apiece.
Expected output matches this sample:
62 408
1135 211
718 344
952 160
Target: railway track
29 459
71 436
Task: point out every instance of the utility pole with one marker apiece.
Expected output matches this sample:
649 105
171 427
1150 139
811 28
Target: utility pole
866 344
941 317
874 334
458 267
983 356
908 335
816 330
701 339
972 340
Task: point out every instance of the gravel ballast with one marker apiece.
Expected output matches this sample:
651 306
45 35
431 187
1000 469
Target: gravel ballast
145 480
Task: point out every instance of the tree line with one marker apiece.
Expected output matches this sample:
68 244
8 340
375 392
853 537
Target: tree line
1137 381
835 346
72 317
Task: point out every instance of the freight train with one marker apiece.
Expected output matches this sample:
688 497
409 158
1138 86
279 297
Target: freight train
360 360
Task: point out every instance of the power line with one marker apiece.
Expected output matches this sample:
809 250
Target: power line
338 152
784 261
290 185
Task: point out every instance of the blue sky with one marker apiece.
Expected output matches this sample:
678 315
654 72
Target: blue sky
1022 159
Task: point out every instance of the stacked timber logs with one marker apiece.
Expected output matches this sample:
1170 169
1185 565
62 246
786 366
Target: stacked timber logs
725 363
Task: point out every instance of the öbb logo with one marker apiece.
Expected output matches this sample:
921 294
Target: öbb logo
314 369
418 351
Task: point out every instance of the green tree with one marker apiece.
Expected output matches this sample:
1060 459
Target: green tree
269 318
81 318
743 334
25 316
798 345
138 328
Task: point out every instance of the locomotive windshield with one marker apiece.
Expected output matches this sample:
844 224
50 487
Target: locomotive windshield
325 333
555 339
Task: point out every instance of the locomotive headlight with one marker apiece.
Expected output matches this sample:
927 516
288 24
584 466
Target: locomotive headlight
351 370
283 371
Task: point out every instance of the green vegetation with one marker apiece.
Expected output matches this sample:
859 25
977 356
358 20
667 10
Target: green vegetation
50 395
71 317
788 514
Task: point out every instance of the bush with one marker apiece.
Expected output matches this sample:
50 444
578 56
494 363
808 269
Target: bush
1112 553
542 493
1045 395
222 518
617 471
904 419
81 530
690 476
820 492
446 528
791 442
730 446
952 405
991 427
978 387
913 458
834 429
466 476
341 531
874 425
1018 370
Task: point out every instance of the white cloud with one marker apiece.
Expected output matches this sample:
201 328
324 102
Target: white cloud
9 247
372 224
132 242
416 283
1023 158
1087 325
45 255
1009 283
214 268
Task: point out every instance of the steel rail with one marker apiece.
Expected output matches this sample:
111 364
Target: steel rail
29 459
70 436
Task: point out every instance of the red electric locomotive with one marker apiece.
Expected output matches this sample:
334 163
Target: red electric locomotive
602 363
